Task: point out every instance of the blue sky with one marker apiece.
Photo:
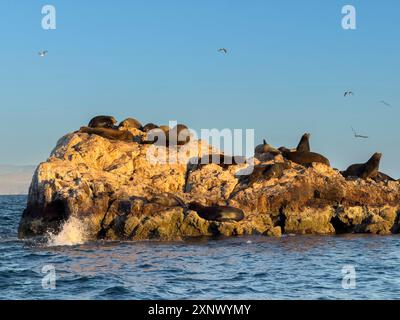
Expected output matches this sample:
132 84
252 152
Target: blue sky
288 66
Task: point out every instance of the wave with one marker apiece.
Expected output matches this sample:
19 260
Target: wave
73 232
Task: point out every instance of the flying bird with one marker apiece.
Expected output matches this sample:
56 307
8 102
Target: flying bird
356 135
348 94
223 50
385 103
43 53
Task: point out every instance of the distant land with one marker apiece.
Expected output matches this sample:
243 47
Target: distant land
15 180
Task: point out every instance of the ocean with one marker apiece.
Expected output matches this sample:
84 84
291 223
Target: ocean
291 267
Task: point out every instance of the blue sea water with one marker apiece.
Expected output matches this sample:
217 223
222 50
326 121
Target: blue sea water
292 267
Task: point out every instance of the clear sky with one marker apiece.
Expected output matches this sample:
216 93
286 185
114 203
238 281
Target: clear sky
288 65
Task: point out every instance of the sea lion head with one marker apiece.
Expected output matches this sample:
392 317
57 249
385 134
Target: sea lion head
284 150
376 157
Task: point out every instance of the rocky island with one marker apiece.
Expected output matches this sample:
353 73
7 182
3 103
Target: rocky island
111 187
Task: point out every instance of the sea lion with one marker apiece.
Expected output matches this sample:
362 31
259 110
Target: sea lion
265 172
265 148
130 123
382 177
165 128
217 213
220 159
304 144
168 199
304 158
275 170
102 122
370 169
157 136
111 134
149 126
179 135
165 136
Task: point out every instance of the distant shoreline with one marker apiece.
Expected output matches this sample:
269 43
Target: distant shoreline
15 179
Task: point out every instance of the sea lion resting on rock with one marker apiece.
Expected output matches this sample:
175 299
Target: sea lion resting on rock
179 135
265 172
265 148
304 158
211 213
220 159
269 171
112 134
149 126
217 213
102 122
383 177
164 136
370 169
168 199
130 123
304 144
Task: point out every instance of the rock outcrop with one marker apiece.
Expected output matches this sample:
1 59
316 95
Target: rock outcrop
111 186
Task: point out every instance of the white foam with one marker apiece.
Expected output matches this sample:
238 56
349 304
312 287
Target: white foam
73 232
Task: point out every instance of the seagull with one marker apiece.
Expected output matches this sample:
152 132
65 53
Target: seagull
358 135
385 103
223 50
43 53
348 93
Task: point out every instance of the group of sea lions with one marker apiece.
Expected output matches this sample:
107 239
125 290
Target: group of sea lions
106 127
302 155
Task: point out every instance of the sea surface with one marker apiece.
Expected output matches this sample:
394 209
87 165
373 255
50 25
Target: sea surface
292 267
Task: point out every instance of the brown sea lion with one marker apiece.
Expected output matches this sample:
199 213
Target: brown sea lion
165 128
304 158
265 172
222 160
102 122
164 136
179 135
111 134
304 144
382 177
157 136
265 148
275 170
217 213
130 123
149 126
168 199
370 169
